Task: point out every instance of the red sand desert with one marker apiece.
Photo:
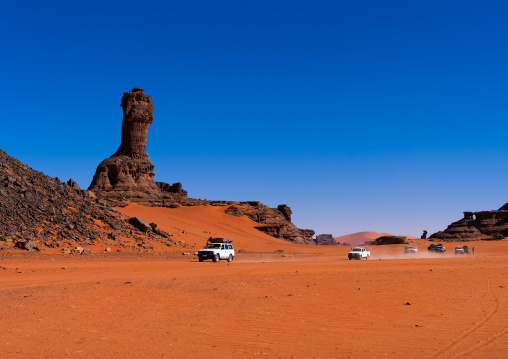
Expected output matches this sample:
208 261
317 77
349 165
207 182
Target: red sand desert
308 302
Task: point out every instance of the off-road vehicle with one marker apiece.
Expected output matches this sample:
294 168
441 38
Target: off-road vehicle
217 249
358 253
410 249
437 248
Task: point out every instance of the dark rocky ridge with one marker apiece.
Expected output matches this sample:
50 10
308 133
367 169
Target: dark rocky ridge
477 225
37 211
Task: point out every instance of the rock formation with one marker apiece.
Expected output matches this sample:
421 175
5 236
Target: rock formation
325 239
477 225
38 211
276 222
383 240
129 174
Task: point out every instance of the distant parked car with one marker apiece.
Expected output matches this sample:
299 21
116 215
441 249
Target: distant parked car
410 249
358 253
459 250
437 248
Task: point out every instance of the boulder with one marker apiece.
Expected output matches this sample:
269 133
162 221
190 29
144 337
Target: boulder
234 211
72 184
29 245
77 250
140 224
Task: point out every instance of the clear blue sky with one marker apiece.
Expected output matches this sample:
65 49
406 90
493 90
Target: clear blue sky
360 115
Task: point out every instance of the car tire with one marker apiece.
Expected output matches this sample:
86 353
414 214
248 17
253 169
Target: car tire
200 259
216 258
230 258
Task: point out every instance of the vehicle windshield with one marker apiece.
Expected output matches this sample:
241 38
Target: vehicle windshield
213 245
356 250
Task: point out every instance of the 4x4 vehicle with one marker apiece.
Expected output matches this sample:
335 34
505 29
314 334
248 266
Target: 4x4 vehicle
217 249
410 249
358 253
459 250
466 250
437 248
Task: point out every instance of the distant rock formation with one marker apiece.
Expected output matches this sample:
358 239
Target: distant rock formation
276 221
477 225
424 235
129 174
389 240
326 240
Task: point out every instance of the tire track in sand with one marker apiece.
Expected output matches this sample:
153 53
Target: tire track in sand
446 350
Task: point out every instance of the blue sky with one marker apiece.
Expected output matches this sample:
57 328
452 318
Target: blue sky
360 115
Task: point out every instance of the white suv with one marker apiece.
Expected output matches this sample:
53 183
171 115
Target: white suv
217 249
358 253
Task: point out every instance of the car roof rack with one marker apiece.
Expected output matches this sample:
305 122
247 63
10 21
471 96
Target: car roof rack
219 240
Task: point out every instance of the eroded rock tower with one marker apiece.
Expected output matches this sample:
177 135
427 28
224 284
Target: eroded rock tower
129 174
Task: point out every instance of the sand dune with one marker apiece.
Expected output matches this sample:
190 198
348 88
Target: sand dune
357 239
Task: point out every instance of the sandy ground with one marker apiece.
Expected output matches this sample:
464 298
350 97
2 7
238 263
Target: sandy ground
309 302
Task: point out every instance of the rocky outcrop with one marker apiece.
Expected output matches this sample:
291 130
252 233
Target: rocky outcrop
128 175
477 225
325 239
38 211
234 211
383 240
276 221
